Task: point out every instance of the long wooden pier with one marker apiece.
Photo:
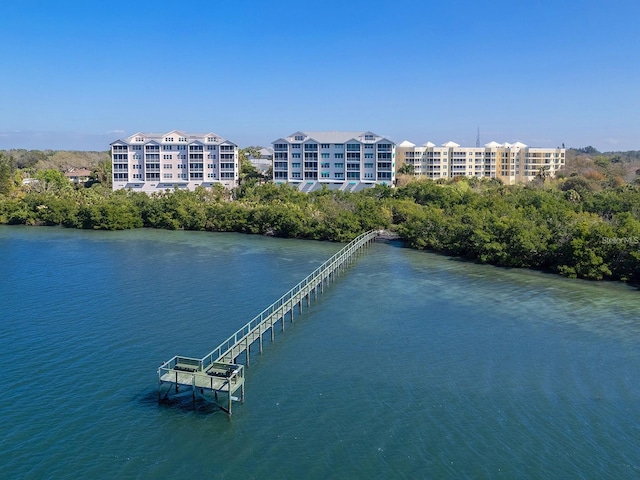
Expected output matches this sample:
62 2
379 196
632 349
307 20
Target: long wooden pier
218 373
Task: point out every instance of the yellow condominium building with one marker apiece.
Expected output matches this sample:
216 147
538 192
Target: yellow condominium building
511 163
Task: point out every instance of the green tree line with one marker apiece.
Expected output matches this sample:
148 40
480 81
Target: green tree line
575 226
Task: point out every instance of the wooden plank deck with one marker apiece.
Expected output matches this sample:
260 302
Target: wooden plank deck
202 380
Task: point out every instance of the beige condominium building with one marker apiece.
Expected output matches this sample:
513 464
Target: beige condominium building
348 161
511 163
152 162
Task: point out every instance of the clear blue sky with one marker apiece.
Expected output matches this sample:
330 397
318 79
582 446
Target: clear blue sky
80 74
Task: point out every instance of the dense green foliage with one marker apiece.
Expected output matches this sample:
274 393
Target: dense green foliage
578 226
597 237
7 175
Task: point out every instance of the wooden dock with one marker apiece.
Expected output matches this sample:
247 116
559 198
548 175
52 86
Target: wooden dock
218 373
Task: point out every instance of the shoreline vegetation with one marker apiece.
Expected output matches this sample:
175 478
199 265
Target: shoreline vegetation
580 226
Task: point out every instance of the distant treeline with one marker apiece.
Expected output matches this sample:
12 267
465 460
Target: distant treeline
566 226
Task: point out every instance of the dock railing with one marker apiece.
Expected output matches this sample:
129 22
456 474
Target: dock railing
240 341
291 297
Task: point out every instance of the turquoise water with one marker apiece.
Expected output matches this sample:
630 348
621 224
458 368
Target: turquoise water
412 365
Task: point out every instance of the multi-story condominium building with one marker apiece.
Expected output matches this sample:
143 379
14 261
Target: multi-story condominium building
152 162
347 161
512 163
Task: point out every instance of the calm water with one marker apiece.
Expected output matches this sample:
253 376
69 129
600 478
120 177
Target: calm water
413 365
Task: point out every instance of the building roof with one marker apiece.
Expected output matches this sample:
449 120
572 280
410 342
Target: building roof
408 144
158 137
81 172
336 137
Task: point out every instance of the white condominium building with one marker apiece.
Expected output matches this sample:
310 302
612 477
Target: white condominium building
152 162
512 163
347 161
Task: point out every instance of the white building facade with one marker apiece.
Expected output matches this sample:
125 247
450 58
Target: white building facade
347 161
153 162
511 163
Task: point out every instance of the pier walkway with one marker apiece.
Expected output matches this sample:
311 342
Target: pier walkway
219 373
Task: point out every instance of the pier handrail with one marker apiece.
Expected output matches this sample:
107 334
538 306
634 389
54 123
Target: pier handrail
245 330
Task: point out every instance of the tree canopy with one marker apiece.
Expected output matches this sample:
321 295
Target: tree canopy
585 226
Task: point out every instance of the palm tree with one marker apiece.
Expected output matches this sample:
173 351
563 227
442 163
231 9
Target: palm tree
407 169
101 173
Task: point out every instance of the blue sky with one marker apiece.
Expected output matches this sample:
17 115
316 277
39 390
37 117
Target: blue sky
78 75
